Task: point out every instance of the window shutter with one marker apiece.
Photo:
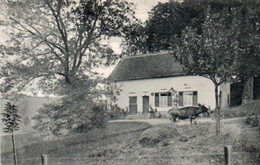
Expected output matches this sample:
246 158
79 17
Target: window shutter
156 99
169 99
180 98
195 98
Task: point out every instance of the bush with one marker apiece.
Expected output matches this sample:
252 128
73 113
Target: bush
153 136
97 119
117 113
74 113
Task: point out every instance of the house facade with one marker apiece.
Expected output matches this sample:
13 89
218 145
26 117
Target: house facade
147 81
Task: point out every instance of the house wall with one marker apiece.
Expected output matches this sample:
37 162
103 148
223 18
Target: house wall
145 87
225 96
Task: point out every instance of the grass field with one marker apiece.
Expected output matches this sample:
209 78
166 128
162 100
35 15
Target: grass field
118 144
21 140
72 146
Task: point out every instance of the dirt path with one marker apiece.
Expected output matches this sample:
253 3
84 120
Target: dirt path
202 146
161 121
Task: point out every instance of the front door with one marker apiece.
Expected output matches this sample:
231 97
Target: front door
145 104
133 105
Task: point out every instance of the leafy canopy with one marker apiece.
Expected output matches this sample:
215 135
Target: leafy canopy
212 53
58 42
55 44
169 21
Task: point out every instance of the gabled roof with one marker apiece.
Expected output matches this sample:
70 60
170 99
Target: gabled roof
146 66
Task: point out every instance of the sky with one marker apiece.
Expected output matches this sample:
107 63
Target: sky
142 7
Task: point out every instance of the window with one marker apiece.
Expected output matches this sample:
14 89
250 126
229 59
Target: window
189 98
163 99
133 100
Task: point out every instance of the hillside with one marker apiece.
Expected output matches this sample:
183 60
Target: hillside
28 107
252 107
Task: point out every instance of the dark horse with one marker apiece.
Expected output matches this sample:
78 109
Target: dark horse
188 113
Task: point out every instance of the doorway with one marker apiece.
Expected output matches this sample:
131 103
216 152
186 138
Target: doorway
145 105
133 105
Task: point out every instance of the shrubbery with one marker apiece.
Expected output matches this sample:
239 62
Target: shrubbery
77 113
97 119
116 112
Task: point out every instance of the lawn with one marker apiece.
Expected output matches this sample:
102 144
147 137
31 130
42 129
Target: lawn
75 145
118 144
21 140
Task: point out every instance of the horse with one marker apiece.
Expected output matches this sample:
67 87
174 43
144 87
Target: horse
188 113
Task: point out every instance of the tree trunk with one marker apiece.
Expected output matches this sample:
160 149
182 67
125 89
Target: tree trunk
248 90
14 150
68 81
217 111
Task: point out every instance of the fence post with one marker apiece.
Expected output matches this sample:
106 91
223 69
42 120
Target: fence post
44 159
228 154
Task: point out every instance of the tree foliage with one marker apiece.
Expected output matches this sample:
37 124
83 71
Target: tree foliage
10 118
247 28
216 52
54 45
166 22
58 42
76 113
212 53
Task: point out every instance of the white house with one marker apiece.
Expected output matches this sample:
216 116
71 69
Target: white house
146 80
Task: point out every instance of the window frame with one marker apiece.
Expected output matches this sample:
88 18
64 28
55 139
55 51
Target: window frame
181 98
158 98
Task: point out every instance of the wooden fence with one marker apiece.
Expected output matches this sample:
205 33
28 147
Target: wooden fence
228 154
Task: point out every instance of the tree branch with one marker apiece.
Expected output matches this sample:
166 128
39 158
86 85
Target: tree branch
53 51
59 22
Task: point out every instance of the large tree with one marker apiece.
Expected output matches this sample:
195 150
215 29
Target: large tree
211 54
165 21
247 28
54 45
165 24
58 42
